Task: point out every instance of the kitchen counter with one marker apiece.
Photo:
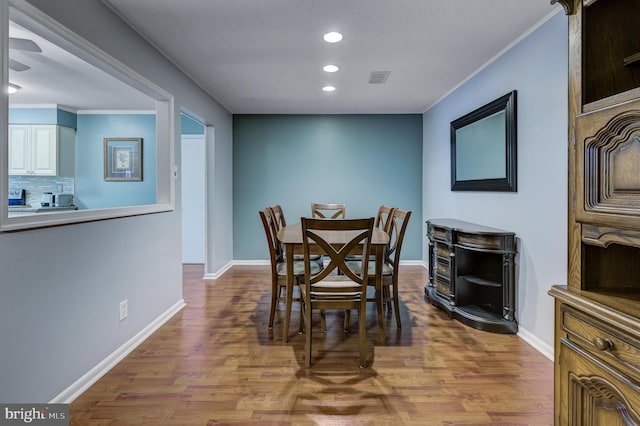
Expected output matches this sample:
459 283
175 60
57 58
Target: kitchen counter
39 209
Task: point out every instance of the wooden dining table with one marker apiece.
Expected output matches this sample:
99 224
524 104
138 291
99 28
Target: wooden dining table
291 238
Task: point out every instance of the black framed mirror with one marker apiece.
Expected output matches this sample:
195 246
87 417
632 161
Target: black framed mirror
483 147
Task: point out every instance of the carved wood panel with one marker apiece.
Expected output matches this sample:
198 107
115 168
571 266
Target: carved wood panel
593 393
607 157
611 166
596 401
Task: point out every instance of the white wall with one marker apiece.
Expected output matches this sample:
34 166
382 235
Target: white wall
537 68
60 287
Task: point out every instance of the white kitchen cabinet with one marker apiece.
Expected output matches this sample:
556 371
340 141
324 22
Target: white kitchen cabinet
41 150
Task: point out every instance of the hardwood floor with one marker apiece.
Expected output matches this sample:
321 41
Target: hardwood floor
216 363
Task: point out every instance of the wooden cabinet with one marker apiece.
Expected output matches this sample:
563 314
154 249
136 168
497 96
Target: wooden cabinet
41 150
597 316
471 274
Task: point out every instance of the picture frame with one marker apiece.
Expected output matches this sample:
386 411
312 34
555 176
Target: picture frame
483 147
122 159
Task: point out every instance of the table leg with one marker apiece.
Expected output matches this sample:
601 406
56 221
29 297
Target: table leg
289 303
379 300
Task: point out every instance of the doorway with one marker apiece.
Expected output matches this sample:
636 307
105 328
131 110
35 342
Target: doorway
194 190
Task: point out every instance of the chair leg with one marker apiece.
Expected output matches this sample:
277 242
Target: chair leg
302 321
379 306
275 290
307 341
387 298
347 320
362 330
396 304
323 321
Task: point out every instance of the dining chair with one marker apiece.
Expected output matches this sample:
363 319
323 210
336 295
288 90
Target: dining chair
383 222
280 222
328 210
278 264
325 290
399 220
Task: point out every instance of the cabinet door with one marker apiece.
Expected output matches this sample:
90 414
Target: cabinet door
592 393
44 150
19 150
607 158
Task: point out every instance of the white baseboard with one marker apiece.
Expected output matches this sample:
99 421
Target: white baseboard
218 273
90 377
414 263
534 341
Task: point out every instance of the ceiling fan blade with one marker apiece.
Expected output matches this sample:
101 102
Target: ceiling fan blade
17 66
24 44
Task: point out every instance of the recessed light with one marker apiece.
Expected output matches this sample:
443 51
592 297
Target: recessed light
329 89
13 88
332 37
331 68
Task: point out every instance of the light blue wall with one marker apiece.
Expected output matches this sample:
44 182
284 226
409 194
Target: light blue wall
293 160
537 213
61 286
92 191
42 116
189 126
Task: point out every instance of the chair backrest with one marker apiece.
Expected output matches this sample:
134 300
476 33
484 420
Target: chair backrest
275 254
323 233
279 222
278 216
383 219
399 220
329 210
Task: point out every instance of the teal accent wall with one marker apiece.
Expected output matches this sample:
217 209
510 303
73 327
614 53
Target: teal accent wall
92 191
190 126
294 160
68 119
42 116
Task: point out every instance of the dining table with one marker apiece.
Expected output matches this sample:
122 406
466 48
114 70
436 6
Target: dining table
290 237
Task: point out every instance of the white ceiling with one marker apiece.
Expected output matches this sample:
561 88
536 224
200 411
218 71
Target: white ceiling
57 77
267 56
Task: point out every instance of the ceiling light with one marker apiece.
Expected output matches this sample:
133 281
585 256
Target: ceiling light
331 68
329 89
13 88
332 37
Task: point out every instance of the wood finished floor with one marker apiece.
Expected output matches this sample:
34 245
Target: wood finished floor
216 363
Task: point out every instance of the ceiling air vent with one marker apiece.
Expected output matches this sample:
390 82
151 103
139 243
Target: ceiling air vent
378 77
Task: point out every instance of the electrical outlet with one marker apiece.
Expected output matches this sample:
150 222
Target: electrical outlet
124 309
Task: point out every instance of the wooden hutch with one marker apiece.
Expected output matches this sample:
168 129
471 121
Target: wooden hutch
597 314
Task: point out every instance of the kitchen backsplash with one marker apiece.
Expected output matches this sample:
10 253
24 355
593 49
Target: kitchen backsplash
36 185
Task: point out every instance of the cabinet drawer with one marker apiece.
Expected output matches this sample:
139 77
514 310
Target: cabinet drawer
442 286
442 250
619 349
442 267
481 240
440 234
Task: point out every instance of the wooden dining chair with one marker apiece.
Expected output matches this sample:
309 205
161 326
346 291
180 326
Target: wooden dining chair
327 291
383 222
328 210
280 222
390 293
278 264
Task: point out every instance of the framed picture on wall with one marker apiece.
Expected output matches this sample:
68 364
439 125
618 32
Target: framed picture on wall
123 159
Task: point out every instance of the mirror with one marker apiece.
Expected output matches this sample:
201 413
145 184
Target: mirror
483 148
71 99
